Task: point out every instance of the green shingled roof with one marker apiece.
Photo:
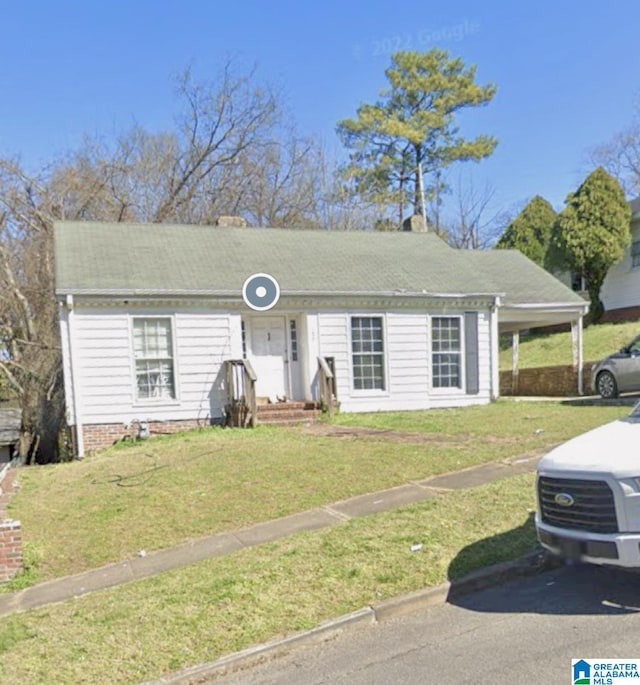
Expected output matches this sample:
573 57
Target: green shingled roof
157 259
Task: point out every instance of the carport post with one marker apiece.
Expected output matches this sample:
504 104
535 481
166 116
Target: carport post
576 352
515 348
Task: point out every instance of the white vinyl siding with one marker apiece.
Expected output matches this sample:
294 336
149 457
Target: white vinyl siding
333 341
621 286
203 342
408 361
106 386
153 352
407 358
106 380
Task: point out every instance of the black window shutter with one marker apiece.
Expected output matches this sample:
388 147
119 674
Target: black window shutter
471 352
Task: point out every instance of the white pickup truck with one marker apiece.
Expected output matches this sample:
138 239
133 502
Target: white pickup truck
588 492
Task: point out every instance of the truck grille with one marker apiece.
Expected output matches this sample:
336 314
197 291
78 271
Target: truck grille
593 508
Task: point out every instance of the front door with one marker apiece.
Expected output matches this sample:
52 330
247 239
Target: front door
268 356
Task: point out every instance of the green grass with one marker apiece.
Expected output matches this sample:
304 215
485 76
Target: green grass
155 494
165 490
502 428
554 349
148 628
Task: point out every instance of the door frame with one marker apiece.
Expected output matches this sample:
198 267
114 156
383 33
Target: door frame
293 370
248 344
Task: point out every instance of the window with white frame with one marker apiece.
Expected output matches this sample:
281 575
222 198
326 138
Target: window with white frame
635 253
153 352
446 352
293 334
243 330
367 351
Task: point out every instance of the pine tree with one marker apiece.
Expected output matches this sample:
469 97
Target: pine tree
411 131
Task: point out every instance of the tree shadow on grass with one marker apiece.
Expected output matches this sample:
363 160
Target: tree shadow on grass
536 586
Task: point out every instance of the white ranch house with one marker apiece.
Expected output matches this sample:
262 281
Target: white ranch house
154 326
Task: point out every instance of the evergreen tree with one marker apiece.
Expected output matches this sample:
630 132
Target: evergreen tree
530 231
411 131
592 232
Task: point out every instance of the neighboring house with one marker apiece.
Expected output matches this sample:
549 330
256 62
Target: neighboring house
9 433
151 314
620 293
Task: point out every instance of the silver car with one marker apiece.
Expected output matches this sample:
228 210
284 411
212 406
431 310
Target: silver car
619 372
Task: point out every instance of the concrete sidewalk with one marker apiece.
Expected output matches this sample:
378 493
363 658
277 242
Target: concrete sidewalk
218 545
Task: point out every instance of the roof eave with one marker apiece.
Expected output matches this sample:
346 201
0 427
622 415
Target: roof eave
232 294
554 306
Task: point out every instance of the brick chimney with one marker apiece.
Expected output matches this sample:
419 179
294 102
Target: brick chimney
231 221
415 224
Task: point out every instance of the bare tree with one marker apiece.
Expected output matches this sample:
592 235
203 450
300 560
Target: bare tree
620 157
221 121
472 224
282 181
30 361
341 208
189 175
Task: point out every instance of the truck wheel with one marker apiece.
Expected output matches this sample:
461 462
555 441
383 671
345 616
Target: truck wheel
606 385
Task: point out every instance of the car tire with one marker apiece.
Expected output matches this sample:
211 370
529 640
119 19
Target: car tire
606 385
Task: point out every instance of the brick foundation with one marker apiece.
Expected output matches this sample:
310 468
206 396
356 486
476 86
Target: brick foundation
11 559
10 549
98 436
551 381
622 314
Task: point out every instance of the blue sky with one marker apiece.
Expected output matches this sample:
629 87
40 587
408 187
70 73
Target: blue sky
567 72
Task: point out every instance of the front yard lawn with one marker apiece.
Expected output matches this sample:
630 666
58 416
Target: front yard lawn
142 630
161 492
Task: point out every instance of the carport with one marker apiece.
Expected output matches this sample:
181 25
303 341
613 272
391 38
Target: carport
514 318
529 297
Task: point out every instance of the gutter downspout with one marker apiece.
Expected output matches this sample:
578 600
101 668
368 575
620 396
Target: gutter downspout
73 366
495 349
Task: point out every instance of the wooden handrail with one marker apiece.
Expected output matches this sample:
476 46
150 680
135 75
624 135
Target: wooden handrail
241 404
327 384
251 374
324 367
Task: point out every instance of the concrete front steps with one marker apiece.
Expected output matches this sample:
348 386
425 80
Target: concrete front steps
288 413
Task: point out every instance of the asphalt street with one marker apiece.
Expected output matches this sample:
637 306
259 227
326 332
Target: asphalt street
521 632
